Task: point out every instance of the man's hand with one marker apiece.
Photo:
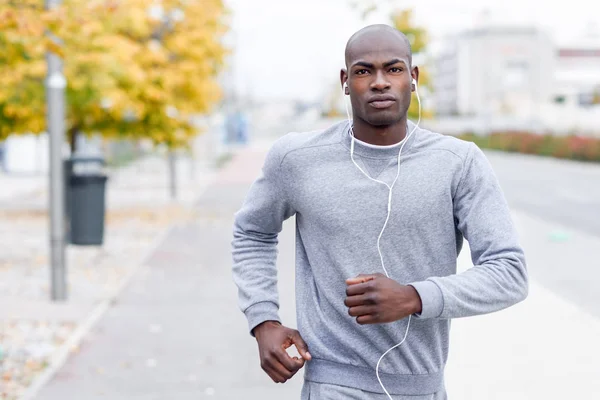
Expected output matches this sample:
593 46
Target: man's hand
273 340
376 299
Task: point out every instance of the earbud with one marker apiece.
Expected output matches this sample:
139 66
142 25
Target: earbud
414 83
346 88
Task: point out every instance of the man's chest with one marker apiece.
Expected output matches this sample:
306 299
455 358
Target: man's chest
344 198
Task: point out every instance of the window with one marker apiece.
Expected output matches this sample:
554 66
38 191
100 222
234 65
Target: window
560 99
515 73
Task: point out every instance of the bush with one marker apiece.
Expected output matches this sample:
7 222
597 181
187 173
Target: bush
569 147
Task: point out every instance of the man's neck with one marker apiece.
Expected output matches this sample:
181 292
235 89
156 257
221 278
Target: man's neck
379 135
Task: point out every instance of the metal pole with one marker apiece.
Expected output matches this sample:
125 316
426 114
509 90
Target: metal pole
55 119
173 173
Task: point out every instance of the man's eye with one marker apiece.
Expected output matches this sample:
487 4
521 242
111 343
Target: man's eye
361 72
395 70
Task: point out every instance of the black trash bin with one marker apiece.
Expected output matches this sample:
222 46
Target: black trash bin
86 200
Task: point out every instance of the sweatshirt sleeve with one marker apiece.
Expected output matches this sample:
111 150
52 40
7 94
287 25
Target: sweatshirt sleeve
255 238
498 278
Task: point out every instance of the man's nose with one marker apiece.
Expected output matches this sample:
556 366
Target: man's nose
380 82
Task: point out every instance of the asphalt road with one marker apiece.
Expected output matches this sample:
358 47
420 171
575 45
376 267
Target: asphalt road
562 191
564 196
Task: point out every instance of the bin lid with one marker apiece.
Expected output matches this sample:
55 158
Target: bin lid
87 179
83 165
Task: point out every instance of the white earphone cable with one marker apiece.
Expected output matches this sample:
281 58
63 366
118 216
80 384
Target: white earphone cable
389 209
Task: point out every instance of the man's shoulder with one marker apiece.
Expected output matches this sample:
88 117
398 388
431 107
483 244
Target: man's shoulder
431 140
294 141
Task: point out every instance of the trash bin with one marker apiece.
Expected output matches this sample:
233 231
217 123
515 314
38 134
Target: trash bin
86 200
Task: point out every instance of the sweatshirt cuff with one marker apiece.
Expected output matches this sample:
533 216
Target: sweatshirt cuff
258 313
431 299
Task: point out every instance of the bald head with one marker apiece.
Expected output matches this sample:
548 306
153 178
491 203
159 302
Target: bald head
376 37
379 76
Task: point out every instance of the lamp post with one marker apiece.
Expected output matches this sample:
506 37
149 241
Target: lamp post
55 119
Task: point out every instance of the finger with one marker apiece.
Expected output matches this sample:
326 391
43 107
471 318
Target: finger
301 346
358 288
289 363
359 300
362 278
279 370
277 378
267 366
367 319
361 310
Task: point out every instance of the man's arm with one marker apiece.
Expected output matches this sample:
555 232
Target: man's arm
499 276
255 238
254 249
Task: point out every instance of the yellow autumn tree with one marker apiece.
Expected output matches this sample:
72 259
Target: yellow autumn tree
403 21
22 67
135 68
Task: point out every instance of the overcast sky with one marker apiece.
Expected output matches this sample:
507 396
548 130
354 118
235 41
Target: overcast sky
294 48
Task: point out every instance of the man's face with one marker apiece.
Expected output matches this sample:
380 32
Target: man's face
379 80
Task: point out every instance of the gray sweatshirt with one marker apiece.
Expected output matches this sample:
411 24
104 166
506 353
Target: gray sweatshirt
446 190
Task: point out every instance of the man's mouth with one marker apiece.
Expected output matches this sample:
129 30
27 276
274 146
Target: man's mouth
382 101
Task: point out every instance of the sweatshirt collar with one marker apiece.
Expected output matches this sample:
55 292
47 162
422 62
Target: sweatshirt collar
376 152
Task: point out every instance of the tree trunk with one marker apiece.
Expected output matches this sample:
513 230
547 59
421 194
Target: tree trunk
72 135
172 157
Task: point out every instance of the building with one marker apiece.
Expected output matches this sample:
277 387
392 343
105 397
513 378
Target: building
578 70
494 71
575 106
498 78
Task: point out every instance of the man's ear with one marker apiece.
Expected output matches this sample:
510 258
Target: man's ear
344 81
414 73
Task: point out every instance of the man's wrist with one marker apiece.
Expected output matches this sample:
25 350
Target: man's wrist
265 324
416 304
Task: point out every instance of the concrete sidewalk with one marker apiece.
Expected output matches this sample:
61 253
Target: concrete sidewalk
176 332
34 330
19 186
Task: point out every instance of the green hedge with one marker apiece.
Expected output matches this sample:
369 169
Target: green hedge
570 147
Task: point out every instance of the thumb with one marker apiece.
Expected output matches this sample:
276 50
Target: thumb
359 279
301 346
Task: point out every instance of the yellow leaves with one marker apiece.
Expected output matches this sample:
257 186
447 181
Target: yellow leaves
139 22
91 28
37 125
128 64
403 21
18 19
154 94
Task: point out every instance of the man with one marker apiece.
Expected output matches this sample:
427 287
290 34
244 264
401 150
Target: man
336 182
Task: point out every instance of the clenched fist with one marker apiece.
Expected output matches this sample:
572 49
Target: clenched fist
273 340
377 299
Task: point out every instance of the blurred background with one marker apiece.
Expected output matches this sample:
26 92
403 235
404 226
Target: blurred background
131 130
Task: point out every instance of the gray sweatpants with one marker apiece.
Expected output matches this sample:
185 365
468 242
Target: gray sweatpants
323 391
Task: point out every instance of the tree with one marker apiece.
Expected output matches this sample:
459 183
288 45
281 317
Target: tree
22 67
134 68
403 21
